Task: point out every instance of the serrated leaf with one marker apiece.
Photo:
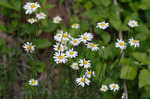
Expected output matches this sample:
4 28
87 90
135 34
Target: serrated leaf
128 73
144 78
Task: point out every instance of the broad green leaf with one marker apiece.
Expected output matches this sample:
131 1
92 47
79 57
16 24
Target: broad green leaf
42 43
145 4
144 78
128 72
142 57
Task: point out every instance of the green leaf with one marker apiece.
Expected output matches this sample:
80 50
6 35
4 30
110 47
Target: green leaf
6 4
42 43
2 27
141 57
144 78
145 4
128 73
106 37
37 65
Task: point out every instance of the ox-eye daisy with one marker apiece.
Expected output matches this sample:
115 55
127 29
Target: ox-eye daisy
75 26
85 63
33 82
29 47
92 46
82 81
32 20
121 44
135 43
57 19
59 47
102 25
75 66
66 36
104 88
89 74
40 15
114 87
75 42
60 57
58 37
71 53
31 7
132 23
86 37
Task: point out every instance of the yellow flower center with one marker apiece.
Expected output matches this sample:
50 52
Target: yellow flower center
89 73
29 47
61 57
85 62
135 41
113 86
92 45
71 53
75 41
102 24
82 79
65 36
34 82
33 6
121 43
85 38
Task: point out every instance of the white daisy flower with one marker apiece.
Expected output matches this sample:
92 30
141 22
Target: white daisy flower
86 37
28 47
31 7
57 19
82 81
89 74
66 36
60 58
121 44
132 23
75 66
62 37
75 26
104 88
40 15
58 37
33 82
59 47
32 20
135 43
75 42
71 53
92 46
114 87
85 63
102 25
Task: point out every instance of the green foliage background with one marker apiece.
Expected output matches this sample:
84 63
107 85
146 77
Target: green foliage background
57 81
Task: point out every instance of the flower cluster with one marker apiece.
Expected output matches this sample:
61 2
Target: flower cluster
30 8
63 53
113 87
85 79
122 45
